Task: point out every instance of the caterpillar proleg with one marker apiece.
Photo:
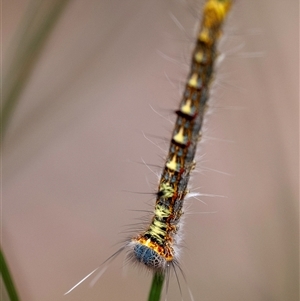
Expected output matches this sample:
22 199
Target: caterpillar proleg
157 247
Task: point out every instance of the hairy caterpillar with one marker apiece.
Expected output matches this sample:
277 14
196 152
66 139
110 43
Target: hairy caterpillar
157 246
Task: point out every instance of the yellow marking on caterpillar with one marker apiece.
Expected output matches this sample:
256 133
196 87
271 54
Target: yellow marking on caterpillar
204 36
179 137
166 252
187 107
156 228
161 211
198 56
172 164
214 12
166 189
193 81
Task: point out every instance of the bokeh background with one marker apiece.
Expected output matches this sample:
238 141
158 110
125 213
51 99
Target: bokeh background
71 176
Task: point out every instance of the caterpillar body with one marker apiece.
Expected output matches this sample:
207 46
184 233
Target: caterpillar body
156 247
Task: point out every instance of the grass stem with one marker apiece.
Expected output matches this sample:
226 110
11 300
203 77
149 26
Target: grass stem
156 286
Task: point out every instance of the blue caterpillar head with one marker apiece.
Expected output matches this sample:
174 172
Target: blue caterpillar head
148 257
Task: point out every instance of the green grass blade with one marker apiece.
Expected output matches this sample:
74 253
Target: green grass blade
156 286
7 279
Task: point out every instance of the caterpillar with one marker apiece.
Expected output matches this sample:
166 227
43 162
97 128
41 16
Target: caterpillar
157 246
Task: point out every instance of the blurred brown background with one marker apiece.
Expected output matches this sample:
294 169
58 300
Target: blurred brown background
70 149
